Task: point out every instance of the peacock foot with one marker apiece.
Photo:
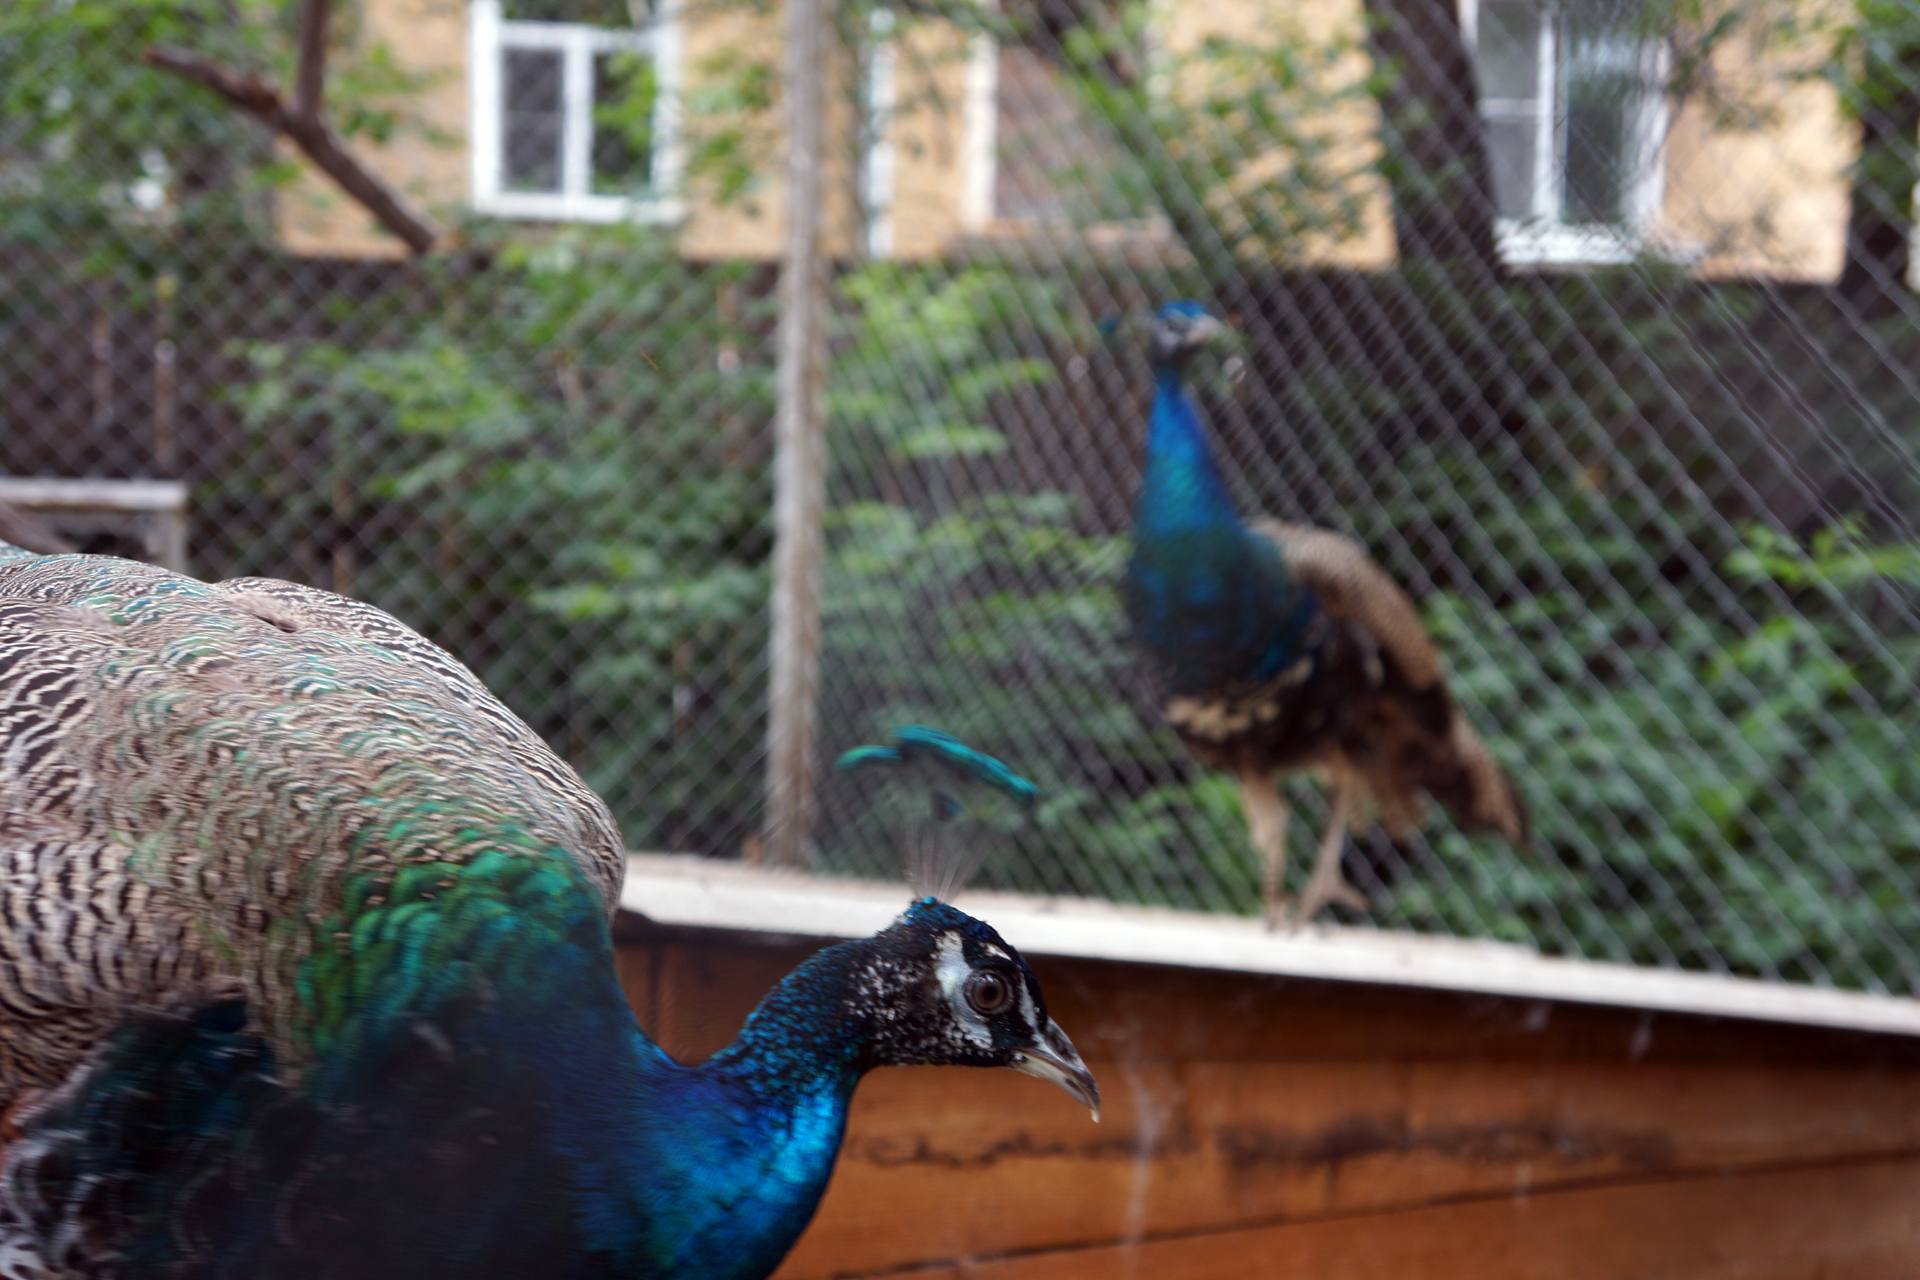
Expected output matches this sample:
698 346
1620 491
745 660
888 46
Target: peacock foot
1291 911
1277 909
1321 892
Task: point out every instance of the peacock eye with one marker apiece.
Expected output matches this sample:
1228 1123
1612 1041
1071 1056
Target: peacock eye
989 993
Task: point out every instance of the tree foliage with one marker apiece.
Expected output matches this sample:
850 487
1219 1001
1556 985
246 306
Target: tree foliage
579 431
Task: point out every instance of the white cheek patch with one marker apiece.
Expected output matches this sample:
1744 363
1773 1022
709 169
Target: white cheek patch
1027 1012
951 970
951 966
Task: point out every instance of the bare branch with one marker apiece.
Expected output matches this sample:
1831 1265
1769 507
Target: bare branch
313 61
312 135
243 90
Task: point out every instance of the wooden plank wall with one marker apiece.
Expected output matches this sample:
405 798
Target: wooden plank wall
1262 1127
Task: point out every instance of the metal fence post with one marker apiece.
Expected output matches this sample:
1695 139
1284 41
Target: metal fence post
799 462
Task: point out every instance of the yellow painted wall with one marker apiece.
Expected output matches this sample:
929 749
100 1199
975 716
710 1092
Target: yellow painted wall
929 138
722 39
1330 34
426 159
1763 194
429 159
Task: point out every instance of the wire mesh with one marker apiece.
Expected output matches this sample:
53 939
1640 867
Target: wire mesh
1590 319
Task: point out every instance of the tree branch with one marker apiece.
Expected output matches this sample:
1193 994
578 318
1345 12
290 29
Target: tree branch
312 79
315 138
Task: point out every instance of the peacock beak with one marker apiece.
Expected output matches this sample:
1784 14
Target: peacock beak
1201 330
1054 1059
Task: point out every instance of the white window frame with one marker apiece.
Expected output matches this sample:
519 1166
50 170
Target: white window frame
879 159
489 36
1543 239
979 159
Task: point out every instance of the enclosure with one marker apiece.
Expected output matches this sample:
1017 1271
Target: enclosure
723 418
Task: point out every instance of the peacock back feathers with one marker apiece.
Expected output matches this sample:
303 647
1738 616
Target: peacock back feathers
222 779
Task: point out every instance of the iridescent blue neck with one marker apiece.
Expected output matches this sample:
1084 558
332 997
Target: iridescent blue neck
714 1170
1182 489
1212 603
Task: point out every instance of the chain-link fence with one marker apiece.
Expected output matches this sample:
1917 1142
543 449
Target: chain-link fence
1590 318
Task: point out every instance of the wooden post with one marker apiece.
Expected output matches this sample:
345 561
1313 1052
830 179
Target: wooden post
166 377
101 348
799 461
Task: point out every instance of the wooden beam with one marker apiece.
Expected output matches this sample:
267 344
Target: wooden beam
705 892
162 503
91 495
1274 1127
1185 1149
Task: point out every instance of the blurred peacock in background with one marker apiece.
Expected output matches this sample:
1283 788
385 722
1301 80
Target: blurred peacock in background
1276 648
305 971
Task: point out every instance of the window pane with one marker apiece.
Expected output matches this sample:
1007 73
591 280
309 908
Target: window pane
531 119
1602 76
1508 59
1596 162
624 92
1510 148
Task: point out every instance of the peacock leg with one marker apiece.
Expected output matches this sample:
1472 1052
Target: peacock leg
1267 812
1327 884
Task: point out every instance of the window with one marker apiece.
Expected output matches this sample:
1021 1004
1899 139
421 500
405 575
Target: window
1569 93
924 109
573 121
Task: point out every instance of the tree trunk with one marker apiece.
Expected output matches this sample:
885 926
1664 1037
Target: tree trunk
1886 99
1436 148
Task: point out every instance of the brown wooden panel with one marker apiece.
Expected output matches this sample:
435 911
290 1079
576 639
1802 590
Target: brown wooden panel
693 999
1859 1222
1160 1011
1240 1105
1205 1146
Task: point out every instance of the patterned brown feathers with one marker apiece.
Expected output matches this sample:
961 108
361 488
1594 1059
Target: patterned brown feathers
1408 736
190 774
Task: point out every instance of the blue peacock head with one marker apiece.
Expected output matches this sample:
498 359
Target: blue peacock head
1179 329
970 1000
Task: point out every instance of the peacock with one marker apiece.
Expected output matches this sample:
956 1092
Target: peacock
305 971
1277 648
